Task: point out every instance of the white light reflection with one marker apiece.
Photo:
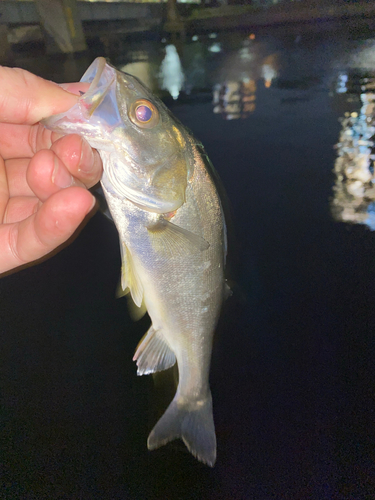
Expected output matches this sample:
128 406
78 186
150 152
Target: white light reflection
171 75
142 70
354 191
215 47
269 69
342 80
364 56
269 73
245 52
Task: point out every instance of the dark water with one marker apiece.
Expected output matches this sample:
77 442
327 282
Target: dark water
287 121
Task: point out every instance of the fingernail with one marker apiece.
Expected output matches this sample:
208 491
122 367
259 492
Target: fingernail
60 176
66 87
86 163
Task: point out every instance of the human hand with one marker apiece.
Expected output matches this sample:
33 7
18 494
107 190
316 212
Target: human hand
43 176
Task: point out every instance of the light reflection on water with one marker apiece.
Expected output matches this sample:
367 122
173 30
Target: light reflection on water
231 74
235 100
231 78
244 76
171 75
354 190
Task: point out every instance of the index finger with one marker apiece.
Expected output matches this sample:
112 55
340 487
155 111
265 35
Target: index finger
27 98
23 141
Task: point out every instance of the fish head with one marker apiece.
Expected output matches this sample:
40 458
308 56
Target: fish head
146 152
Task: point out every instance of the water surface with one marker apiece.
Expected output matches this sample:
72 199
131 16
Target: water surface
287 120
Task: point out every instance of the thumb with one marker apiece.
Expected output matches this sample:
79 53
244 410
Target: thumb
27 98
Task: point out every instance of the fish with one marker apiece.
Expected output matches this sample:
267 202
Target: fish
161 193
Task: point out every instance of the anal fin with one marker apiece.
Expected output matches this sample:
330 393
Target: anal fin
153 353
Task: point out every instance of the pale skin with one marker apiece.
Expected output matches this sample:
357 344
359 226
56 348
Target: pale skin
43 176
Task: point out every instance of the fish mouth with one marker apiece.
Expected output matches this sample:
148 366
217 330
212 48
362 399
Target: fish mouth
94 72
81 119
102 79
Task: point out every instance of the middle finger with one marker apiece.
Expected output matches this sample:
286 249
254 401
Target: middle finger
26 140
47 175
80 159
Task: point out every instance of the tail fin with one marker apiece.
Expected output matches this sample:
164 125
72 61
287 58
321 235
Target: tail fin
193 423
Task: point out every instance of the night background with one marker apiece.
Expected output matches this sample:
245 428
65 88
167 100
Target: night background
282 95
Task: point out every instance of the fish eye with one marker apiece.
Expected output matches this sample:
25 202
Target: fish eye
144 114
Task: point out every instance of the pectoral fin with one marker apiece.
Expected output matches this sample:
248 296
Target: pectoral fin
129 277
175 240
153 354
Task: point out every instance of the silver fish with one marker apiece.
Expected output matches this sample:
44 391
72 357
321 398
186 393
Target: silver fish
172 238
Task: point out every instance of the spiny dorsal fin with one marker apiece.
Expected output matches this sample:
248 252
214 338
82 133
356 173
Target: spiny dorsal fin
174 240
153 353
129 277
